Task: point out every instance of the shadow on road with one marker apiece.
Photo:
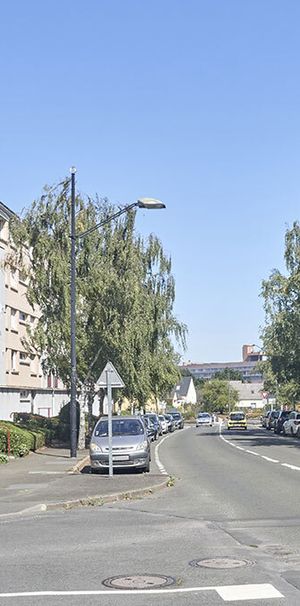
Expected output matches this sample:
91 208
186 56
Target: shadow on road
257 437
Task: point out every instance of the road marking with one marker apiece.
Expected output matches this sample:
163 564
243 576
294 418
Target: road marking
228 593
256 454
291 466
248 592
157 459
47 473
269 459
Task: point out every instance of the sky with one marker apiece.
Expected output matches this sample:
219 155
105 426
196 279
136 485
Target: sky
195 102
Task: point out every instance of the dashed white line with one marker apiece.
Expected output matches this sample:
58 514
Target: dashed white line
228 593
269 459
256 454
291 466
157 459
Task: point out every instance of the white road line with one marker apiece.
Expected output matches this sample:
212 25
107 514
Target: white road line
239 448
256 454
228 593
269 459
157 459
291 466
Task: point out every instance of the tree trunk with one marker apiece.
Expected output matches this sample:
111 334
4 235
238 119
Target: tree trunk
90 401
101 396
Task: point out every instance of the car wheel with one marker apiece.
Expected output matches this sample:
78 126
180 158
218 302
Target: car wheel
298 432
146 469
283 431
292 432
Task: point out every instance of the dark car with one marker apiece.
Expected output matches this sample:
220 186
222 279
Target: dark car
178 419
274 414
150 428
282 417
155 420
170 421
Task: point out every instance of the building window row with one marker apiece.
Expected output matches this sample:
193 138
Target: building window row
18 359
17 317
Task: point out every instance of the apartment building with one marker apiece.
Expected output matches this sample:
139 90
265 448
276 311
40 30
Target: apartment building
23 385
247 367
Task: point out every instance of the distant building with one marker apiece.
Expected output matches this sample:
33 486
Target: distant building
246 367
251 395
23 385
184 393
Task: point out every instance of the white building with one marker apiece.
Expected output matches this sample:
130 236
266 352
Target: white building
23 386
250 394
185 392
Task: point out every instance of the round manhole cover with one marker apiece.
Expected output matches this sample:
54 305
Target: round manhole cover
221 563
142 581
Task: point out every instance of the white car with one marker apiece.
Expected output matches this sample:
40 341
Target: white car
292 425
163 423
204 418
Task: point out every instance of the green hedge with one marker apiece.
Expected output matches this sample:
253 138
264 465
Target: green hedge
21 440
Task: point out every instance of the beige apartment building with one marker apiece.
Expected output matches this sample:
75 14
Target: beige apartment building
23 385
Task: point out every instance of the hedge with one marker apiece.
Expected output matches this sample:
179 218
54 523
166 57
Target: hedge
21 440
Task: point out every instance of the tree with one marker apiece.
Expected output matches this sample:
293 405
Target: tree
281 334
229 374
218 396
125 295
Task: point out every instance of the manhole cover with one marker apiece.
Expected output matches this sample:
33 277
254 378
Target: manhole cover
221 563
143 581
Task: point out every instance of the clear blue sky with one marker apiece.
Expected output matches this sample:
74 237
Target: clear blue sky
194 102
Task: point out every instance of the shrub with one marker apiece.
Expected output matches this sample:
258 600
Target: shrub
22 440
3 458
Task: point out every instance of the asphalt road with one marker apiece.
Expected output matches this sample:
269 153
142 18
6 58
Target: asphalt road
234 496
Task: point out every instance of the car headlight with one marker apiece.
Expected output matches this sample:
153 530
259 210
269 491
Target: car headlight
142 445
95 448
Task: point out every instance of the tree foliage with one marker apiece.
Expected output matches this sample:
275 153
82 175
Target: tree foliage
229 374
125 295
218 395
281 334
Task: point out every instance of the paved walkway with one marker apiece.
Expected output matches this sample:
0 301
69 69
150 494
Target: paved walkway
48 478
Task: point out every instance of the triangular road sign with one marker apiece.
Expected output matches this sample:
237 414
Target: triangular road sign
115 379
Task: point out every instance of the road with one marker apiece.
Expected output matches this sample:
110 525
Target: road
235 497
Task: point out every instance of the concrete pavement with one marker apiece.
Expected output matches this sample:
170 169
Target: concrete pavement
49 479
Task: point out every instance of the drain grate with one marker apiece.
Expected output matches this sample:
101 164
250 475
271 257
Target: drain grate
221 563
142 581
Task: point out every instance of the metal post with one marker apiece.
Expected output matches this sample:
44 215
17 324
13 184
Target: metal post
109 404
73 411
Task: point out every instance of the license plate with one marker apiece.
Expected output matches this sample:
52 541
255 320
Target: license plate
120 458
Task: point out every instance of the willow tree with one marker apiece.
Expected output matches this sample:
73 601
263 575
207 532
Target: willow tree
125 295
281 334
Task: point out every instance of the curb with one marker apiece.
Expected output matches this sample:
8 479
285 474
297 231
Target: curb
80 465
98 500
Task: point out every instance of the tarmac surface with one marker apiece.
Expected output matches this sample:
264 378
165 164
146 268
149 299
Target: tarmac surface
49 479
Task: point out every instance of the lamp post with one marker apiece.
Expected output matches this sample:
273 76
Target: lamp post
147 203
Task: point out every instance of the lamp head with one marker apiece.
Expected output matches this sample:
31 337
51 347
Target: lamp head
150 203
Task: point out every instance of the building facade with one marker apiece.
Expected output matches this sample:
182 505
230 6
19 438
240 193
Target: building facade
247 367
23 385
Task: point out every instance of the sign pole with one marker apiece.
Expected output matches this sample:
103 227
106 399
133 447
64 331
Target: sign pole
109 404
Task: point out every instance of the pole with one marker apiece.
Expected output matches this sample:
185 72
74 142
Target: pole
229 406
73 411
109 404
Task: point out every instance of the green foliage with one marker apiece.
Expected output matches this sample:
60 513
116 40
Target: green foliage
21 440
125 295
229 374
217 395
3 458
281 335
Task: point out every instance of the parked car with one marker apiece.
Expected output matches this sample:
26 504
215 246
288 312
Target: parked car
163 423
178 419
264 418
291 425
272 416
170 422
150 428
130 444
203 418
278 422
156 422
237 420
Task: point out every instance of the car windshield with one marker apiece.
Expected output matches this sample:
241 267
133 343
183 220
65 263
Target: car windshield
275 413
203 414
176 415
237 416
152 418
120 427
161 418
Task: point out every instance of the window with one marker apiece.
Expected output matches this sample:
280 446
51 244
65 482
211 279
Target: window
24 358
13 360
24 396
22 277
22 316
13 319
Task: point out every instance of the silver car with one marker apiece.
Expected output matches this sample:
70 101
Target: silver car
130 444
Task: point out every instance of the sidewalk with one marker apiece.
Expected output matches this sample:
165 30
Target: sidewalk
49 479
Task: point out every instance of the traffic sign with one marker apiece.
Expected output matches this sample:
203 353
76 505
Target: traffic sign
115 379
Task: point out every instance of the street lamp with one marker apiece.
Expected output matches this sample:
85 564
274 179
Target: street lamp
147 203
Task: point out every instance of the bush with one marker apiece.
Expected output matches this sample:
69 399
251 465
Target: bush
22 440
3 458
